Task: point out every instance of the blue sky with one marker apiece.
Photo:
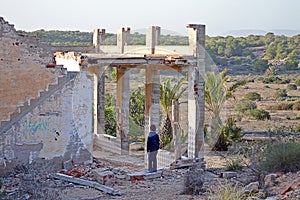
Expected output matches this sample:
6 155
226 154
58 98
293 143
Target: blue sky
219 16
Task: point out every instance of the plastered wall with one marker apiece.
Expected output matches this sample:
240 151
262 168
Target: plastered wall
60 128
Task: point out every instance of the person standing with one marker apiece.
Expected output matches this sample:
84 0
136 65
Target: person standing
152 149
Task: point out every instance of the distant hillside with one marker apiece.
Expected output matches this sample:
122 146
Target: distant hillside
222 51
247 32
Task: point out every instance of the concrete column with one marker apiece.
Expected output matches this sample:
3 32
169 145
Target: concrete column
152 92
196 91
98 39
122 104
123 38
100 100
176 128
152 38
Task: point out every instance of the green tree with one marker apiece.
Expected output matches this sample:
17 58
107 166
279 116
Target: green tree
215 96
110 121
291 65
137 106
260 65
270 52
269 38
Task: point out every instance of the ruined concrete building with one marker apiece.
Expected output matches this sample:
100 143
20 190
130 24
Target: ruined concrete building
53 111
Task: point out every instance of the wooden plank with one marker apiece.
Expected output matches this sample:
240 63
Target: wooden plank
84 182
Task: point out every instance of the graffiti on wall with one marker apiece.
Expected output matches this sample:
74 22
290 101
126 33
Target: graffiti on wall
35 126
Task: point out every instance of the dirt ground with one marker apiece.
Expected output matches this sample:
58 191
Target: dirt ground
31 184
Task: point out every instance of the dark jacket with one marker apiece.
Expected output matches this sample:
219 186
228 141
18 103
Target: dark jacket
152 142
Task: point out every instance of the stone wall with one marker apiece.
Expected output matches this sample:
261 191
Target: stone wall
22 69
45 113
58 129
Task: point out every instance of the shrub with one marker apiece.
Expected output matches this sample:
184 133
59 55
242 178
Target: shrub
230 133
296 105
260 78
271 71
281 156
291 65
292 87
137 106
233 164
253 96
110 121
297 81
281 106
271 79
275 80
259 114
260 65
193 181
227 191
298 128
244 104
280 93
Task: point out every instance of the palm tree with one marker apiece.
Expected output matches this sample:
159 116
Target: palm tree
168 93
216 94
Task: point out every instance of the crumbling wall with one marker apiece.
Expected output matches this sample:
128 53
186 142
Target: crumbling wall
57 130
22 68
72 61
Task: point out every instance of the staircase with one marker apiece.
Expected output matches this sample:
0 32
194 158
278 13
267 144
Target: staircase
63 78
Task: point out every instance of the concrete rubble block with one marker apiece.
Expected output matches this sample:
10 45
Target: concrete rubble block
228 174
104 177
252 187
106 189
270 180
143 176
188 163
68 165
136 146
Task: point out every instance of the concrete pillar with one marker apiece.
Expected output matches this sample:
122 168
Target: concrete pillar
152 38
100 100
152 92
196 91
122 104
176 128
123 38
98 39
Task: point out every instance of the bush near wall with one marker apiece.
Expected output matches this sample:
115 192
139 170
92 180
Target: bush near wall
259 114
